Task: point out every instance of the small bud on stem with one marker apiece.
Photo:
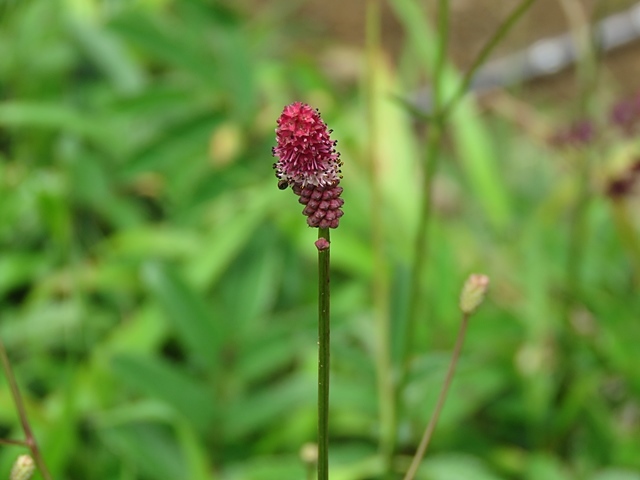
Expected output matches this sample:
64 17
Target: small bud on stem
23 468
473 293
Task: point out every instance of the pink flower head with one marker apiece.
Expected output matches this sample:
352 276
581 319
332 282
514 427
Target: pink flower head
309 164
305 152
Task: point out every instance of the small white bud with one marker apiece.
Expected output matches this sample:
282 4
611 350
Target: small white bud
23 468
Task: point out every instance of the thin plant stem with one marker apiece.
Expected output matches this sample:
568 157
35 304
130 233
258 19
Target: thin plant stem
441 54
428 433
380 283
30 439
578 231
323 356
420 249
627 234
420 245
433 152
586 42
8 441
436 125
482 57
437 122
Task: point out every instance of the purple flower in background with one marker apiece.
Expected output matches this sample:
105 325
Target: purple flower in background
577 134
625 182
625 115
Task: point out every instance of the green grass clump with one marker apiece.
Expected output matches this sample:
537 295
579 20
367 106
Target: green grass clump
157 305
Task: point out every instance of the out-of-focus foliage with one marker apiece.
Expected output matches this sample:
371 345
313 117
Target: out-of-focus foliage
157 291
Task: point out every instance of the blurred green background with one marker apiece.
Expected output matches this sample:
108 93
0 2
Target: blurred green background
157 290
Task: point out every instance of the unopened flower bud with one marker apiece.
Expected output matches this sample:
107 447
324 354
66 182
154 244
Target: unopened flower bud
473 293
322 244
23 468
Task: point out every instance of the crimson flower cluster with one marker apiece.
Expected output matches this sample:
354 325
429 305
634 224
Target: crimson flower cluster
309 163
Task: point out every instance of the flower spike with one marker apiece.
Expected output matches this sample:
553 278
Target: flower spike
309 163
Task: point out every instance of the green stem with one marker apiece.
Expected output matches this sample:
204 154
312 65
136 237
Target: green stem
30 439
577 233
323 356
440 115
585 84
586 41
420 245
428 433
482 57
380 283
627 234
434 137
8 441
441 54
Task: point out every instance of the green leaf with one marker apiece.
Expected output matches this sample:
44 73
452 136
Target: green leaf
158 241
268 467
472 139
190 398
174 146
472 385
616 474
170 42
107 51
197 457
237 216
17 268
151 448
455 467
189 314
52 116
273 404
545 466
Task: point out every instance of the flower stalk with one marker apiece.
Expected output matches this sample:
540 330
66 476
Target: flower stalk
30 439
324 333
444 106
471 297
309 163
